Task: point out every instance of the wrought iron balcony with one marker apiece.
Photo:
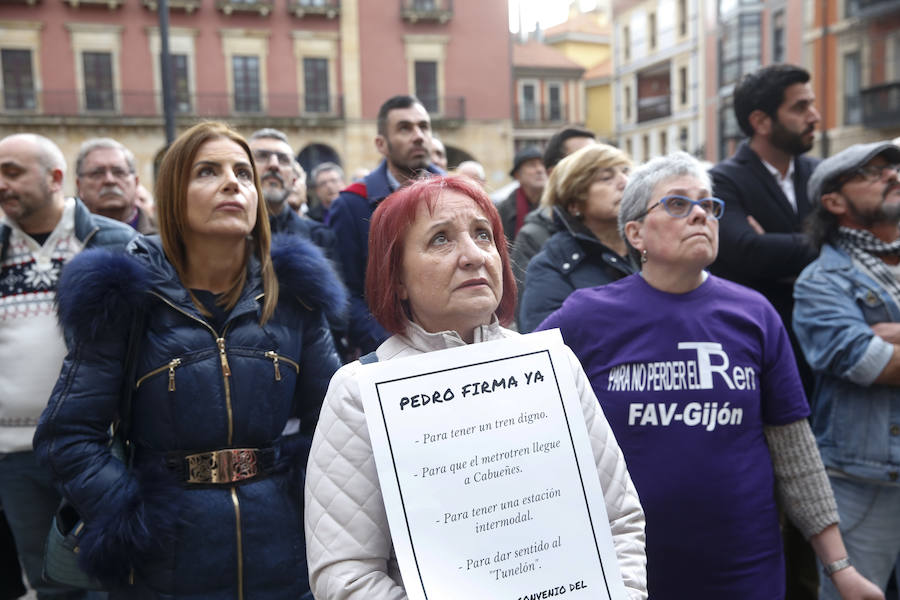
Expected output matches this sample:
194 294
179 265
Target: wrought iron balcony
871 9
21 105
111 4
415 11
188 6
541 115
263 7
324 8
653 107
881 106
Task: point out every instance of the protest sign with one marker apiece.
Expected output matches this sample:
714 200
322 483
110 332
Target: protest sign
487 473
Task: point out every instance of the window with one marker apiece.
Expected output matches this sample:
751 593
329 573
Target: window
682 86
246 83
682 18
778 37
651 30
427 84
851 7
729 132
654 93
626 42
554 102
98 81
627 102
181 83
663 142
683 138
852 88
628 147
528 102
645 145
18 83
315 83
739 50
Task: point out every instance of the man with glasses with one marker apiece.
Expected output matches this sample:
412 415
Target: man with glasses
41 231
847 318
107 183
275 164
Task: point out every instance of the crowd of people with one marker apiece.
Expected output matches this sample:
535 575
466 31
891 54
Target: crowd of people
220 323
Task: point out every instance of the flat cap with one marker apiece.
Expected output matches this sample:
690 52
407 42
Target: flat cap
524 155
846 160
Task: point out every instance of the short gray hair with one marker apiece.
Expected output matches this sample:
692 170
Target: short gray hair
102 143
322 168
644 180
268 132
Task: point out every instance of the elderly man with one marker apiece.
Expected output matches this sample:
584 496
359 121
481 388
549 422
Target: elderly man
328 181
404 140
41 231
528 169
438 153
108 184
847 319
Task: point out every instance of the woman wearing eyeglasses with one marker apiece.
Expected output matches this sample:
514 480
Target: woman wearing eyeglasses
699 383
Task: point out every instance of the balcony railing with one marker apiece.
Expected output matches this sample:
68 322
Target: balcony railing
188 6
206 105
881 106
111 4
263 7
446 108
324 8
540 115
871 9
414 11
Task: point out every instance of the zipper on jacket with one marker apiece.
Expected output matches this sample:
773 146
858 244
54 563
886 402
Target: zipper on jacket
240 543
274 356
175 362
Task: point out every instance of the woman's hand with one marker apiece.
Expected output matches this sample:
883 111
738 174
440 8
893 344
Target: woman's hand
853 586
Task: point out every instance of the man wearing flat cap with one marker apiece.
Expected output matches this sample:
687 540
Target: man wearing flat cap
847 320
528 169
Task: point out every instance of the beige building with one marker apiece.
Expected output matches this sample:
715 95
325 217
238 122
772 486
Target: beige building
658 77
317 69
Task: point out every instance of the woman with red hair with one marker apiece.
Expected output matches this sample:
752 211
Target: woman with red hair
438 277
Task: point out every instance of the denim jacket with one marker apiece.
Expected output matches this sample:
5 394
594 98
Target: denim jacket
856 422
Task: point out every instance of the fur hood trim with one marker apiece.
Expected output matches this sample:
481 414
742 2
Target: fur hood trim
304 272
98 291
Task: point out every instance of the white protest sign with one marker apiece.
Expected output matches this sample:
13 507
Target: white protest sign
487 474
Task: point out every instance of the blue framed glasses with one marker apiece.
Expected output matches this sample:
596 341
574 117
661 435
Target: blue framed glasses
681 206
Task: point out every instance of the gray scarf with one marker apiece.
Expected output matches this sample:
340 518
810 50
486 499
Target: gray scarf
865 248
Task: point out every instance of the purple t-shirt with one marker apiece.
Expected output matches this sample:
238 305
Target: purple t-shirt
687 382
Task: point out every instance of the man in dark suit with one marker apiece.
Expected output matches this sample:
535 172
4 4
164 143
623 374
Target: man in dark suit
760 240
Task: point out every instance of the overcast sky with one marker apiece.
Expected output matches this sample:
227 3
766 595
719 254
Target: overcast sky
547 12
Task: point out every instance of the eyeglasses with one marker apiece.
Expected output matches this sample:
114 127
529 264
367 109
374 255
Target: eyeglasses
680 207
874 172
263 156
100 172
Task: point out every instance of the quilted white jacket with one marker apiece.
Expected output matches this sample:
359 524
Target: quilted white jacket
348 543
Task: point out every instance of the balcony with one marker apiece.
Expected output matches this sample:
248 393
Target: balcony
262 7
432 11
871 9
541 115
188 6
445 111
315 8
653 107
111 4
881 106
28 107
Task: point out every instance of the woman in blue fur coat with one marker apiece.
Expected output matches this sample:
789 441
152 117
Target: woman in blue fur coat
233 360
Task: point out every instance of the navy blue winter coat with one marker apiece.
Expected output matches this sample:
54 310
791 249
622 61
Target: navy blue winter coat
573 258
197 390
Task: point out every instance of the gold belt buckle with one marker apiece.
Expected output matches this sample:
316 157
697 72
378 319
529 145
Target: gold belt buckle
222 466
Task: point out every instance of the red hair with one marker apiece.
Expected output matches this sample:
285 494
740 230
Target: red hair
387 236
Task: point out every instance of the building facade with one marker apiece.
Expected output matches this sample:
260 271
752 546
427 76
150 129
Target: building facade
852 48
658 66
317 69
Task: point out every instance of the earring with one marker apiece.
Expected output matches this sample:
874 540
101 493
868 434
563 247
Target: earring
577 214
644 255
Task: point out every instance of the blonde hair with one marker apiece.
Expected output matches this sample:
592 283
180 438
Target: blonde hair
171 199
572 176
